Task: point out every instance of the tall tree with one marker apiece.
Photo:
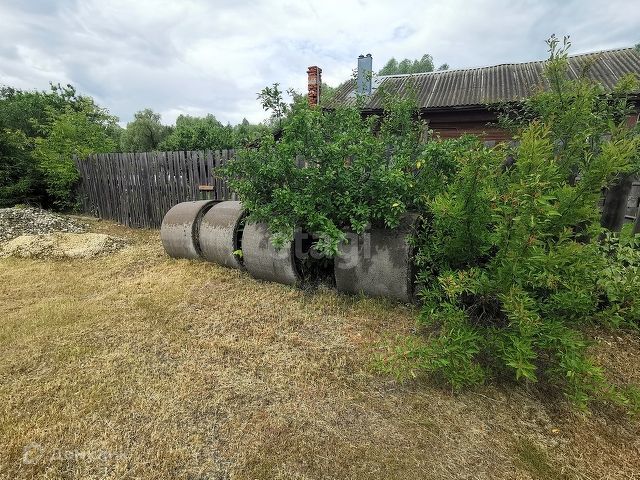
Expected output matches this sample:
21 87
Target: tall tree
198 133
145 133
38 137
422 65
246 133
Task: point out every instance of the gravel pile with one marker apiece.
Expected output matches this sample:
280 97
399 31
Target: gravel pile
16 221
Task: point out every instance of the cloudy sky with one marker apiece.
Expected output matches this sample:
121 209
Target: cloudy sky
212 56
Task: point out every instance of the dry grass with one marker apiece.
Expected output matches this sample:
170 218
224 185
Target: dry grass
137 366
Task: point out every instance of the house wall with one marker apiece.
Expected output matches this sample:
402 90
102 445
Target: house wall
454 130
452 123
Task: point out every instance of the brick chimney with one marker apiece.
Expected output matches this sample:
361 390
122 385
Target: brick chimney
315 82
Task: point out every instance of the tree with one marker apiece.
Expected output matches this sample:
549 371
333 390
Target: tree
198 133
27 120
27 111
69 134
19 175
405 66
272 100
207 133
145 133
246 133
390 67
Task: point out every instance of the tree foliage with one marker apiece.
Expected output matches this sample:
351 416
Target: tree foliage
69 134
274 100
207 133
42 131
20 179
422 65
512 262
355 177
39 169
145 133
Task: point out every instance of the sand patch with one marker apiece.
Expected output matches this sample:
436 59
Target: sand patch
61 245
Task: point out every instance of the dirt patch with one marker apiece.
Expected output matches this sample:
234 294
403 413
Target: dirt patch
18 221
61 245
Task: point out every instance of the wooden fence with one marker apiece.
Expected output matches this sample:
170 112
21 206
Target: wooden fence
137 189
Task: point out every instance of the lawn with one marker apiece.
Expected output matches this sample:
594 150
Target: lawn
134 365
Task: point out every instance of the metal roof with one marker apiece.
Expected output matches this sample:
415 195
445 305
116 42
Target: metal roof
509 82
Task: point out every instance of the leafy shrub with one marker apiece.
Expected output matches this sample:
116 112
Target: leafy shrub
359 171
19 176
620 281
512 263
354 177
69 134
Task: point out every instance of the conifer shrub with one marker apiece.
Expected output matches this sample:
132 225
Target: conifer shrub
513 262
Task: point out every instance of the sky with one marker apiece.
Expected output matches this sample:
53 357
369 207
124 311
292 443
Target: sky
197 56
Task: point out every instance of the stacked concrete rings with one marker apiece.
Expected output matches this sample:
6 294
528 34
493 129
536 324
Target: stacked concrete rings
180 228
378 263
221 234
264 261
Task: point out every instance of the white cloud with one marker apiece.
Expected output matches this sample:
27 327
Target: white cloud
200 56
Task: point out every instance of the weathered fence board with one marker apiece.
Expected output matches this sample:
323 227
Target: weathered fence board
137 189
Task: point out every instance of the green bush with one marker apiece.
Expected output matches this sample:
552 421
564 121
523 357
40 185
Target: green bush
20 178
359 171
354 177
513 261
69 134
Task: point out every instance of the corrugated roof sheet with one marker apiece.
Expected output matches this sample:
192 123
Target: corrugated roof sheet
500 83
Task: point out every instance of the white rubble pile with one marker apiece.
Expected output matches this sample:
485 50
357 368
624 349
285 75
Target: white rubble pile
28 232
18 221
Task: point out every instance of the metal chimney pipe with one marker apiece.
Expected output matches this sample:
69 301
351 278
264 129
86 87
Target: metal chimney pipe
365 72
